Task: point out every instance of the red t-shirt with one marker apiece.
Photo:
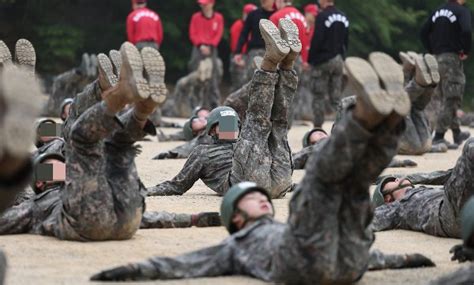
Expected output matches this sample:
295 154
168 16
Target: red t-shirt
144 24
235 31
297 18
206 31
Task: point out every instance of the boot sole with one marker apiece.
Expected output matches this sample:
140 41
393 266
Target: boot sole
93 65
116 61
155 69
107 69
391 74
422 68
25 54
404 57
432 65
132 61
289 32
21 95
5 55
366 81
273 41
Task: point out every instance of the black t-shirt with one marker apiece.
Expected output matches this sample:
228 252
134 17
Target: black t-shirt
448 29
331 36
251 27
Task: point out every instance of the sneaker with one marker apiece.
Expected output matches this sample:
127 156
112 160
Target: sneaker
116 59
289 32
25 55
460 137
276 48
366 82
432 65
107 78
155 71
391 75
131 74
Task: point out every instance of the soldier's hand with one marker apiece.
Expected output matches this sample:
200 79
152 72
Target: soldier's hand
162 155
462 253
409 163
238 60
122 273
418 260
206 219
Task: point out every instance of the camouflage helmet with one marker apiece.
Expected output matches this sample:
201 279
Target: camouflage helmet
65 102
467 222
232 197
377 197
40 159
188 128
217 113
39 123
306 137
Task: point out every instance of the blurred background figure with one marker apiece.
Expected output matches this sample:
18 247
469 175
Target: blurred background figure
144 28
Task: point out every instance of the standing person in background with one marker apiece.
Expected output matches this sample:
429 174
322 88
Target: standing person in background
205 32
448 35
326 55
144 27
251 36
238 74
311 11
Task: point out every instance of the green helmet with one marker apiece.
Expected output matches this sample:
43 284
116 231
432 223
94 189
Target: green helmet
40 159
219 113
232 197
306 142
188 128
65 102
467 222
377 198
39 123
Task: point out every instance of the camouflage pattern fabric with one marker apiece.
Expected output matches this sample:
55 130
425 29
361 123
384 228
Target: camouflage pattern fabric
434 211
57 145
467 119
178 136
326 239
183 151
300 158
326 82
450 90
464 275
238 74
302 108
239 100
249 66
141 45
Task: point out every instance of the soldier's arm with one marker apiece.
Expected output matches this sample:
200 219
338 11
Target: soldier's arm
432 178
208 262
466 31
300 158
185 179
160 220
379 261
386 217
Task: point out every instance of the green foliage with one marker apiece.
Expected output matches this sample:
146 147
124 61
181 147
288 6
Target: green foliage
63 29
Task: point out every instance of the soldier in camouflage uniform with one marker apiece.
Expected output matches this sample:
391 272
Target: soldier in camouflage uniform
463 252
327 237
48 144
261 153
435 211
466 119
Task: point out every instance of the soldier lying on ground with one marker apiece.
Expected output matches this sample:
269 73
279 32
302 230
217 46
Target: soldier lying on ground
19 102
261 153
64 109
48 138
327 237
193 127
401 204
463 252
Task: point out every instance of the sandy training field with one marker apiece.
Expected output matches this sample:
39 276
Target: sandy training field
44 260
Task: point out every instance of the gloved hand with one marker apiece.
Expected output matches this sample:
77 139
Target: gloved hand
462 253
206 219
418 260
121 273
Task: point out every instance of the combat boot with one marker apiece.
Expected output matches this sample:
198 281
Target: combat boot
276 48
116 59
439 139
5 55
107 78
422 73
289 32
459 137
25 55
155 72
433 68
391 75
408 63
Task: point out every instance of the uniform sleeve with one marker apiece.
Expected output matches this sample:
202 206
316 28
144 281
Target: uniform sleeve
466 31
185 179
193 31
300 158
318 36
161 220
159 31
244 35
130 29
425 34
432 178
386 217
220 31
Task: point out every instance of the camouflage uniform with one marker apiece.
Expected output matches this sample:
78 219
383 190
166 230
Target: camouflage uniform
239 100
261 154
326 239
467 119
238 74
434 211
302 109
183 151
327 82
178 136
188 93
251 54
54 146
464 275
300 158
450 90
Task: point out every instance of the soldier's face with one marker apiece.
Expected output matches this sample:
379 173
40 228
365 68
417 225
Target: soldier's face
316 137
198 124
203 113
397 194
66 110
255 205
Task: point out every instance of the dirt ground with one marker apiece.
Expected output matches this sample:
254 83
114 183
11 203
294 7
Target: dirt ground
44 260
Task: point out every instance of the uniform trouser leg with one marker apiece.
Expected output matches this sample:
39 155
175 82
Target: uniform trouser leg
320 89
196 57
335 81
158 220
281 167
88 201
451 91
457 191
59 89
416 139
328 237
252 158
18 219
212 90
249 62
238 75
